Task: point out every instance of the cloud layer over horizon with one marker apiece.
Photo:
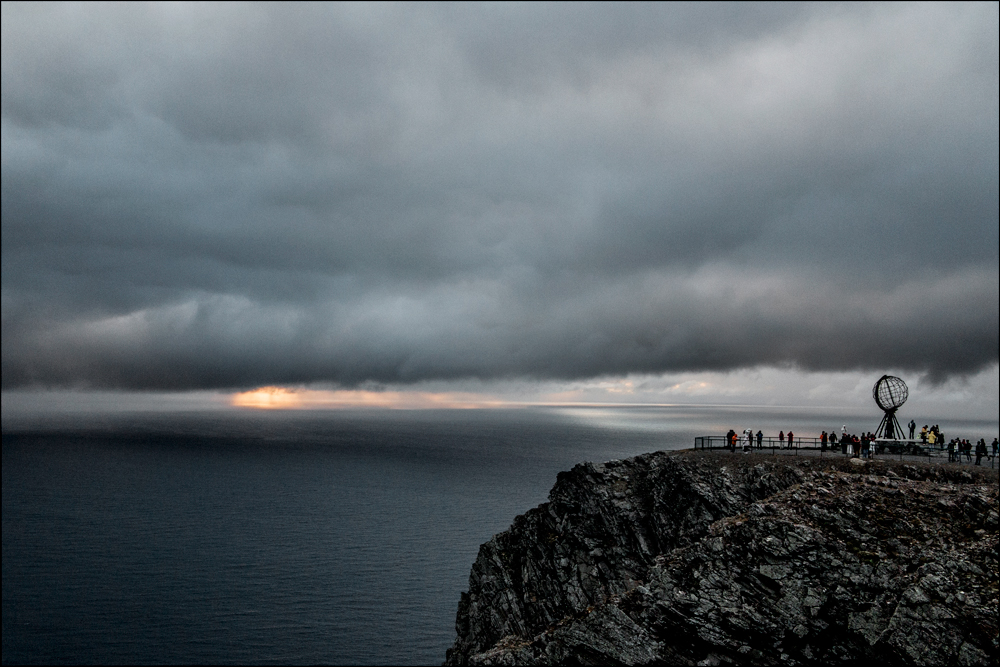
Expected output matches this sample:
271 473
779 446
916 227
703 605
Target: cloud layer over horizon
231 196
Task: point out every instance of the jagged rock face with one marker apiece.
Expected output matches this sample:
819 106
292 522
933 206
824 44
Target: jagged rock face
726 559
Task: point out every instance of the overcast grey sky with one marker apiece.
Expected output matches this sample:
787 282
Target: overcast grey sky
228 196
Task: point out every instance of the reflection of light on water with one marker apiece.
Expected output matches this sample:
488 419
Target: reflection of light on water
694 420
629 418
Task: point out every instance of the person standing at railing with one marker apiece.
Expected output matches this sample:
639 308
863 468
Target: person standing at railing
822 442
923 434
760 439
980 450
781 437
913 427
996 447
833 440
790 436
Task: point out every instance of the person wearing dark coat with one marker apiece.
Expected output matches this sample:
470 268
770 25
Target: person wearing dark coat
980 450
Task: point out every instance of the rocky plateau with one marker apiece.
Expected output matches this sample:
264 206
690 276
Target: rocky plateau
689 558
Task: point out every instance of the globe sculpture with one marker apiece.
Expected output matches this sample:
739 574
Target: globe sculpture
889 393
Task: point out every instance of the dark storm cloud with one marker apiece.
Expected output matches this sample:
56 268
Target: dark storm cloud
202 196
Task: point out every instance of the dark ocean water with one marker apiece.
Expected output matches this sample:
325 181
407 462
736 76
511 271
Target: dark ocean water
303 537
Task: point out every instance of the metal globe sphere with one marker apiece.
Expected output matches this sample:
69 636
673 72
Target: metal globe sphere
890 392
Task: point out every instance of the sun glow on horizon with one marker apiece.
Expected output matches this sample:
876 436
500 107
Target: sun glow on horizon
283 398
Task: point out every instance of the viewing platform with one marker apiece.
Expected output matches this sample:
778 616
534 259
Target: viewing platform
915 450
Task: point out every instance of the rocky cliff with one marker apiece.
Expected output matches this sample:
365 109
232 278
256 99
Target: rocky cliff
713 559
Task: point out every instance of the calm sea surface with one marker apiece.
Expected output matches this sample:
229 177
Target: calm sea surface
303 537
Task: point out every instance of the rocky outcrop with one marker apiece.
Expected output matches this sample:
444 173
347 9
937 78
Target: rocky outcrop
711 559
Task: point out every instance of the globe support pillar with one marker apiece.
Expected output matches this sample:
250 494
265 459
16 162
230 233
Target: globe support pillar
889 428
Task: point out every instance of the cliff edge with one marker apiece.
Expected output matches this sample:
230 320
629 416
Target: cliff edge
712 559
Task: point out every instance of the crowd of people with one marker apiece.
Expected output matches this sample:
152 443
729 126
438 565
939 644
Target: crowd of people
958 447
851 444
930 436
866 445
748 440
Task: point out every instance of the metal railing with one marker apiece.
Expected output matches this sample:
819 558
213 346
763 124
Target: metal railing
901 449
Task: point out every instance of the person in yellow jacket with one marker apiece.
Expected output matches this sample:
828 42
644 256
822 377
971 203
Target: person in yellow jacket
931 438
